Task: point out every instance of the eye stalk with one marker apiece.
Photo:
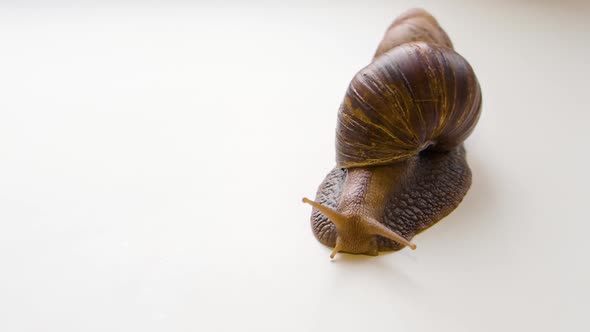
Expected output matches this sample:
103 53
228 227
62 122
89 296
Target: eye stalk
356 233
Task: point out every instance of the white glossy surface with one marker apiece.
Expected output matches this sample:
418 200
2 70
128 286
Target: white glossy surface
153 160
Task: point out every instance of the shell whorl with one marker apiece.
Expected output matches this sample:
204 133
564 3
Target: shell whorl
412 96
415 25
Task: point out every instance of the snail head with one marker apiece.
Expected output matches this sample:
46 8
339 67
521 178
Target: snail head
357 234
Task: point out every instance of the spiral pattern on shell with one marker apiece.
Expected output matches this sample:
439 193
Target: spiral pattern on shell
414 96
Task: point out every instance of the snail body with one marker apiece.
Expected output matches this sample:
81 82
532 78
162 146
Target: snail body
400 161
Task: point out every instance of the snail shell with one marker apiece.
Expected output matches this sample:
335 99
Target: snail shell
400 162
416 95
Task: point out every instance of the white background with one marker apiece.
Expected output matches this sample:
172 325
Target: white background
153 158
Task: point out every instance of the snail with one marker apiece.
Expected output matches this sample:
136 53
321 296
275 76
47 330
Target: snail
400 159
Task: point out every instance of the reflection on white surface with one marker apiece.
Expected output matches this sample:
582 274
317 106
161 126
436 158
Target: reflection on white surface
153 160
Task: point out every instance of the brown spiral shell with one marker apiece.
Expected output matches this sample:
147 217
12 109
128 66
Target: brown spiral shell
416 95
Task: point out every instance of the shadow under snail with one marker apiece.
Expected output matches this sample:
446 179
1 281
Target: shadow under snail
400 160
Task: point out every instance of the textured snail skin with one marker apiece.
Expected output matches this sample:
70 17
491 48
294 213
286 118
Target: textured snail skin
416 194
400 160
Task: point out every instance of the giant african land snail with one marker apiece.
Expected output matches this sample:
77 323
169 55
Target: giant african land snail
399 142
